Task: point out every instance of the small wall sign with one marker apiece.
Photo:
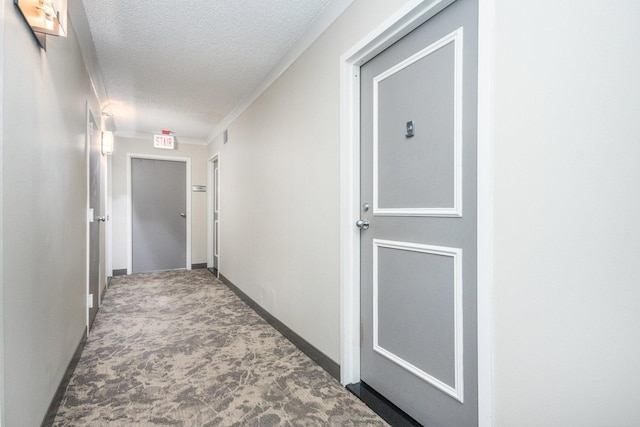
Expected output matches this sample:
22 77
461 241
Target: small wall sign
163 141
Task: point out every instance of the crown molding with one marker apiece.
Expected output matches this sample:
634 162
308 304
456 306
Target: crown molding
78 19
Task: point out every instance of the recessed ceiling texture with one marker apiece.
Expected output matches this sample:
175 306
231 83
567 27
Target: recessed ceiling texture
184 66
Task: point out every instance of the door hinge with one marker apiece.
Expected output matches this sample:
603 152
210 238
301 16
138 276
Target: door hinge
90 300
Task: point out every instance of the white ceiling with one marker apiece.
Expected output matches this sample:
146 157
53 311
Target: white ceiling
187 66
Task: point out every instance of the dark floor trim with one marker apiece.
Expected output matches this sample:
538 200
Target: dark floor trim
314 354
121 272
213 271
389 412
200 266
57 398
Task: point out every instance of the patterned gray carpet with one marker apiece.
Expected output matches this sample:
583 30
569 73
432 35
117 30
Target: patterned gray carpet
180 349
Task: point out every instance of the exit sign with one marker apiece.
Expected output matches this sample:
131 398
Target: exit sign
163 141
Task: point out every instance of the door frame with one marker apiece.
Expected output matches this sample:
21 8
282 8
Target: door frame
185 160
87 149
109 213
89 219
210 210
408 18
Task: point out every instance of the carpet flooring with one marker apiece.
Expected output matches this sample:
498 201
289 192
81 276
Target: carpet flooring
179 348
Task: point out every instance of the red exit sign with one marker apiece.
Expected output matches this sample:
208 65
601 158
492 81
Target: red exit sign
163 141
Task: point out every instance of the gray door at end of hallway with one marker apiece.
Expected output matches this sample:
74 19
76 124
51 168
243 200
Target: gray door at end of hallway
158 209
418 192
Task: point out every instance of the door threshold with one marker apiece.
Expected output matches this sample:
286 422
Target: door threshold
389 412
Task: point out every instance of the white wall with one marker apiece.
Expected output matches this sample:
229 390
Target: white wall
44 215
2 382
198 156
279 177
566 156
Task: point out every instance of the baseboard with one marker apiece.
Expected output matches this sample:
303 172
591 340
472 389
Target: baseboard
121 272
389 412
57 398
200 266
314 354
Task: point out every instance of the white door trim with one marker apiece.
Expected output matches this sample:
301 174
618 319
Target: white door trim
3 421
186 160
409 17
87 148
210 209
485 195
109 213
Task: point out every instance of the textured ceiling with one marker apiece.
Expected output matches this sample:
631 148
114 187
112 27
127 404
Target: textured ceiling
184 66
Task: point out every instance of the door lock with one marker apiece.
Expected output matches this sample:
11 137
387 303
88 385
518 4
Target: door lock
362 224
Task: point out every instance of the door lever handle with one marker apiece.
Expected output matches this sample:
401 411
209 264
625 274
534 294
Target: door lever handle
101 218
362 224
183 215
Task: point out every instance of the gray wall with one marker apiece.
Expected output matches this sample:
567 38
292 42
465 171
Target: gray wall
44 215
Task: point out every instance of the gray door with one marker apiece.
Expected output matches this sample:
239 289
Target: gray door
216 201
97 218
418 192
158 205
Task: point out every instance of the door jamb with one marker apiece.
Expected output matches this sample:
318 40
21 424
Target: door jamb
210 209
87 146
186 160
408 18
101 246
109 224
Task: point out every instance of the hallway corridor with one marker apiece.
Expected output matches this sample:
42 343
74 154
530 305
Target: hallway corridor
179 348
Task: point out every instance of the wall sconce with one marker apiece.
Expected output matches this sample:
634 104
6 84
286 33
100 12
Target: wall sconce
44 17
107 143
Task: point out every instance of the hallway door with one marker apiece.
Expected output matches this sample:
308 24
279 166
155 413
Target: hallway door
95 217
159 214
418 193
216 201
